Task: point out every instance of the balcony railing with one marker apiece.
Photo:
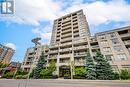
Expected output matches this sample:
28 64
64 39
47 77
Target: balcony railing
69 43
79 54
66 39
65 56
66 35
80 47
95 47
64 50
127 42
56 51
125 35
65 31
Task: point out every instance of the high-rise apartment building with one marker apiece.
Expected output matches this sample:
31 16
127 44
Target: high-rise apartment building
71 39
6 54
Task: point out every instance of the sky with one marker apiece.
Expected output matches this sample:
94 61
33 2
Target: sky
34 18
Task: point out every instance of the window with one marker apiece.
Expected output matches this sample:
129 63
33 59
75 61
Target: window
109 57
102 36
115 41
104 43
121 57
118 48
107 49
112 35
129 49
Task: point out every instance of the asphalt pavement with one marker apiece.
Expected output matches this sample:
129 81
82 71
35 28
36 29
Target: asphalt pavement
62 83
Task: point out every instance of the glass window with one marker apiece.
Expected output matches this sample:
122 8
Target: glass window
109 57
118 48
107 49
104 43
115 41
112 35
102 36
121 57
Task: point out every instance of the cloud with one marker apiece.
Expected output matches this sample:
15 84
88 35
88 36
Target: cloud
44 33
100 12
97 12
32 12
11 45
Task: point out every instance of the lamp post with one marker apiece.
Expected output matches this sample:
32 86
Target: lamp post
36 42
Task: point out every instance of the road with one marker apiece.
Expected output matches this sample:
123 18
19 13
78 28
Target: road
62 83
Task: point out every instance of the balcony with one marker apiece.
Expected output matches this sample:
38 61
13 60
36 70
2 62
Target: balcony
79 54
64 50
66 44
66 39
53 51
95 47
66 35
80 47
54 46
127 42
61 64
125 35
52 57
77 63
65 56
66 28
66 23
66 31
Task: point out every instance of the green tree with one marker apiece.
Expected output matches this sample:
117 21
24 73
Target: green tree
52 66
48 72
124 74
103 69
45 72
39 66
80 72
90 67
116 76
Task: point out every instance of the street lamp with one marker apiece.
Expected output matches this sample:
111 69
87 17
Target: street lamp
36 42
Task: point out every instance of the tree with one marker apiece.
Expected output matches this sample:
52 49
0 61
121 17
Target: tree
124 74
80 72
52 66
103 69
45 72
39 66
48 72
90 67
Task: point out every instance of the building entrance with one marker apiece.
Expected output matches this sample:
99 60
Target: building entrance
64 71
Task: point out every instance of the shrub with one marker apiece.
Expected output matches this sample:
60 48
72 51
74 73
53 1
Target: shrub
21 76
124 74
79 77
8 75
45 72
116 76
20 72
67 76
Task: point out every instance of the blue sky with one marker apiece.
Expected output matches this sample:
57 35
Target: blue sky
34 18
